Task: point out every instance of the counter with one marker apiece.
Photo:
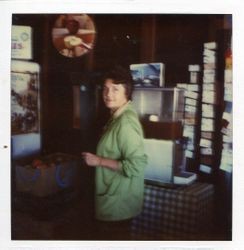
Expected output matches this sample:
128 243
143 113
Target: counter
178 213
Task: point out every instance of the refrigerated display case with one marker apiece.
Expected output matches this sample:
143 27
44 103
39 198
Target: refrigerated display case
166 103
161 113
25 109
32 172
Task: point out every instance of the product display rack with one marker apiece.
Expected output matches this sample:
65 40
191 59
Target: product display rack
210 145
227 123
191 119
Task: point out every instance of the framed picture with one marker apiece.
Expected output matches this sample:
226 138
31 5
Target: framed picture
148 74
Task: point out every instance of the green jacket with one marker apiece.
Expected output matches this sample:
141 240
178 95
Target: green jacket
119 194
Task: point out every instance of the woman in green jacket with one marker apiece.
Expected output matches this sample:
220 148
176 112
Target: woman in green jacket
120 160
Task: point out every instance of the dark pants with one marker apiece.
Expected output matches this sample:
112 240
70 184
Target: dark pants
113 230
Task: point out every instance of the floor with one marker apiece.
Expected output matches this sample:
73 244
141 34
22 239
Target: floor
66 216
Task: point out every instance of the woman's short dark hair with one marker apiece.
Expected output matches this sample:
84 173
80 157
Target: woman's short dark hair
120 75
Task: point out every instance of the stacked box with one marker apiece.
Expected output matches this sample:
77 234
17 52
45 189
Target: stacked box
54 173
209 101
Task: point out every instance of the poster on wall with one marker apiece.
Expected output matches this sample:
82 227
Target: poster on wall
24 103
148 74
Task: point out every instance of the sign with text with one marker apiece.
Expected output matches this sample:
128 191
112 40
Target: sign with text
21 42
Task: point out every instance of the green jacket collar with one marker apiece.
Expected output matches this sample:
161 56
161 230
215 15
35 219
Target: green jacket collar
119 111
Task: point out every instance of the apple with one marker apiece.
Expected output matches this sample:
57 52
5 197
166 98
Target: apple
36 163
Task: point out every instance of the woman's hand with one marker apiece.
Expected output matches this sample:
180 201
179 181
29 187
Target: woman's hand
95 160
91 159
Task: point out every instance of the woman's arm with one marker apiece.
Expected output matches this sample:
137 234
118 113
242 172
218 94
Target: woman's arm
98 161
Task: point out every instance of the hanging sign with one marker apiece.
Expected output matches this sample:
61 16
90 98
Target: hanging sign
21 42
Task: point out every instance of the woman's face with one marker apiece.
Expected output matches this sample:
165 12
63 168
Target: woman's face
114 95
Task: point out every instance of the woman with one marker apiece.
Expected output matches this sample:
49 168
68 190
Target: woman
120 160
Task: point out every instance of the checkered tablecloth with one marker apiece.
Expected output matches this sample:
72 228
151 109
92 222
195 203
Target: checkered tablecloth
174 213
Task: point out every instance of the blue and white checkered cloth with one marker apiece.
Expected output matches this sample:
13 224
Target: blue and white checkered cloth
174 213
